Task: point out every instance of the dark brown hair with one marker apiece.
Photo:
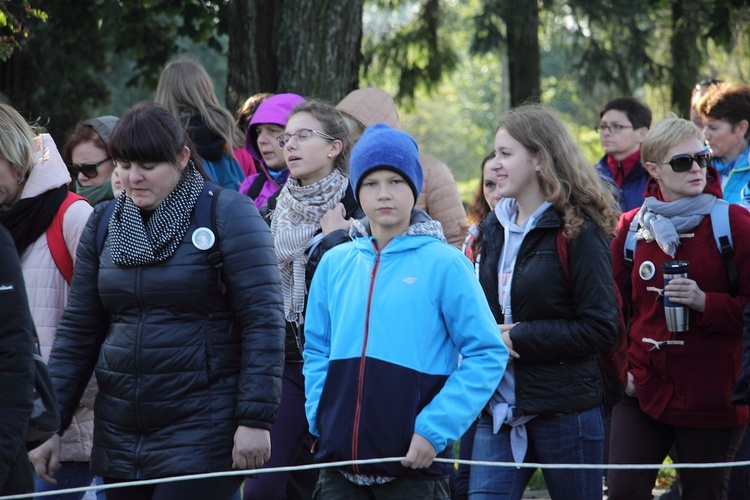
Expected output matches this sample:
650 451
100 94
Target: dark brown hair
726 101
149 133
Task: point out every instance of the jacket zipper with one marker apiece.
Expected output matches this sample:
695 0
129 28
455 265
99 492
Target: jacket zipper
136 398
361 380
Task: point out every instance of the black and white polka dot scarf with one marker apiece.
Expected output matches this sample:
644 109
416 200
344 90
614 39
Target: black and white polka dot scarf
135 243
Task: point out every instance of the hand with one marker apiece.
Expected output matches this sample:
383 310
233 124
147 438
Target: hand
335 218
252 448
630 388
421 453
686 292
46 459
505 332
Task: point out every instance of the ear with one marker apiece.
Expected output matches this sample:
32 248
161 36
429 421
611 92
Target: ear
653 169
183 157
741 127
334 148
535 163
641 132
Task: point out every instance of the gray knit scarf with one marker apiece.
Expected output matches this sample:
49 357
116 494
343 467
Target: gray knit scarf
295 221
135 243
420 224
663 221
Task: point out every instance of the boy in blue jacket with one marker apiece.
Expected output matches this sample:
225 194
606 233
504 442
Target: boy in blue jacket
387 316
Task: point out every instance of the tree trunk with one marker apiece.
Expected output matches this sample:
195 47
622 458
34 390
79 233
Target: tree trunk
522 27
321 50
686 55
308 47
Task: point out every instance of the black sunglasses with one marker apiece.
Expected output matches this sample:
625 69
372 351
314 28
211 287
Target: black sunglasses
87 169
683 163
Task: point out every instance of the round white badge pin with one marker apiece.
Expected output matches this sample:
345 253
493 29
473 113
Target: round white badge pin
647 270
203 238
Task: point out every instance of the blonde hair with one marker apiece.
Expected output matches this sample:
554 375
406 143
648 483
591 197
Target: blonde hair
185 88
665 135
16 141
566 179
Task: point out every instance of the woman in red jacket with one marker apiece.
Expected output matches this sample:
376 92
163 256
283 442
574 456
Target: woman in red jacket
679 383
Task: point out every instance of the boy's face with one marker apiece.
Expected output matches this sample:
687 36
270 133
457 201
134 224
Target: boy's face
387 200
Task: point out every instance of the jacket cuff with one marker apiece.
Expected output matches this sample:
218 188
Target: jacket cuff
255 424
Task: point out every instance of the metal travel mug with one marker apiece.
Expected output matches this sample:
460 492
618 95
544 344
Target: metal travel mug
678 316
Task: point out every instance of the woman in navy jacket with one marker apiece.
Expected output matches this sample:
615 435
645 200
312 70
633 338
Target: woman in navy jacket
188 357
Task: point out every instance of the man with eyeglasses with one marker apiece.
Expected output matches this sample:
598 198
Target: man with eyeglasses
623 125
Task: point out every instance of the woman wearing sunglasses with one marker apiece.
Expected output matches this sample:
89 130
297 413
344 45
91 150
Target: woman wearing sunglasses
679 383
88 161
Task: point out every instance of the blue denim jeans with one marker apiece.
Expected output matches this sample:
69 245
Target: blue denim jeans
70 475
576 438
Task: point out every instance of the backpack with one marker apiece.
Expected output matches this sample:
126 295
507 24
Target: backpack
722 235
205 216
56 238
612 363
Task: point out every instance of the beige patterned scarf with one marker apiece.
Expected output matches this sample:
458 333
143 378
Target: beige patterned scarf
295 221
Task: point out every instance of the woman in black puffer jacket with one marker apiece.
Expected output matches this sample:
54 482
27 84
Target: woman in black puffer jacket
188 356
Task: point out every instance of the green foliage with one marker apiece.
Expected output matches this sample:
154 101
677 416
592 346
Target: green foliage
14 20
416 54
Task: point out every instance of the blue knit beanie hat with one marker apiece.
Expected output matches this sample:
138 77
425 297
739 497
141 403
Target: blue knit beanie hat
383 147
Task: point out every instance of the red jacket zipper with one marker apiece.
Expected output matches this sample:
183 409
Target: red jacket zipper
360 384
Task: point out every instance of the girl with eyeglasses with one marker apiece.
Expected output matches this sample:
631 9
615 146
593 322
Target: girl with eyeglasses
33 190
679 390
88 160
187 353
313 213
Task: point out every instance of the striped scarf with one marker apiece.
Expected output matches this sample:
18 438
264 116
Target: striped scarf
295 221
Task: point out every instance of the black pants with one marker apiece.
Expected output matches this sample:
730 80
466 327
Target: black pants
638 439
218 488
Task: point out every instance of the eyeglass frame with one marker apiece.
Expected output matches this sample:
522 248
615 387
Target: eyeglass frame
693 158
615 128
283 142
75 168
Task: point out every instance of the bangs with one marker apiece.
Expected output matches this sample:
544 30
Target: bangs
144 135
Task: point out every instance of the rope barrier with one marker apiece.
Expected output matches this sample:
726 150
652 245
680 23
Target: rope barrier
253 472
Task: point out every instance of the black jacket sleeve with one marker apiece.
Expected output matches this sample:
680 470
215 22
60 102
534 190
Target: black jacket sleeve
16 355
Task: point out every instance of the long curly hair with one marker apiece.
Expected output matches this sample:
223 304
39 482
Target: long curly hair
566 179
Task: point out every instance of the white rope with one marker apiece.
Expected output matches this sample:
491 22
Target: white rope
253 472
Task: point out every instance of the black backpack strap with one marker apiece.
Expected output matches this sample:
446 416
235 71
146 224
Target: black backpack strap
257 186
103 227
205 216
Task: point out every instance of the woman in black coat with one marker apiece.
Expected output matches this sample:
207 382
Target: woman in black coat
16 371
178 309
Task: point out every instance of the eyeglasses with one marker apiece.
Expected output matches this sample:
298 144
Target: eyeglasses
613 129
301 135
683 163
87 169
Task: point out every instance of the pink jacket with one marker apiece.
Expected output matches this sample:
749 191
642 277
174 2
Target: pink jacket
48 290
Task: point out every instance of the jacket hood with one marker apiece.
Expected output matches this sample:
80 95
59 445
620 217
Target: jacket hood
370 106
507 208
275 110
713 185
420 224
49 171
